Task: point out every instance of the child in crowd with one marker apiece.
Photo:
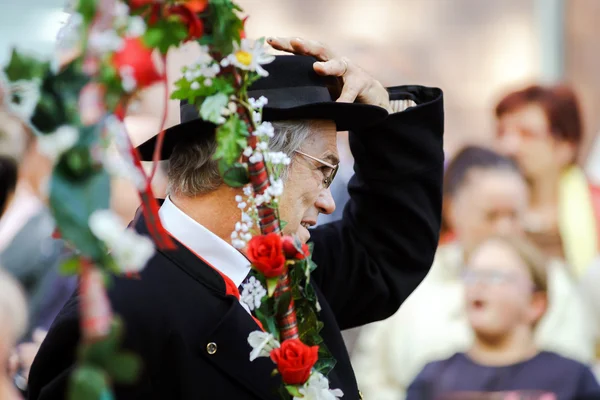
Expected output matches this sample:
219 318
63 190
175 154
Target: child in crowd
506 296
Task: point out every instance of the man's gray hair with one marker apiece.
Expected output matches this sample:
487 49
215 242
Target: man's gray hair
192 170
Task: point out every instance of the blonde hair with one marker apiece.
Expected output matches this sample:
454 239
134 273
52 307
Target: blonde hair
532 257
13 306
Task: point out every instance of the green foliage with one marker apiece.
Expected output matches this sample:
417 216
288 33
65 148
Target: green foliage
165 33
183 91
23 67
231 140
100 361
59 101
87 382
225 26
72 204
235 175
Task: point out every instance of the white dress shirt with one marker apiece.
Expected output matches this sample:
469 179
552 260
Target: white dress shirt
217 252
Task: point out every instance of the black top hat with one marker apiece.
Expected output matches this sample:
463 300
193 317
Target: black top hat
294 90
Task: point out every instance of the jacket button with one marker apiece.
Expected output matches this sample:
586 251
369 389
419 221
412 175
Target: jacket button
211 348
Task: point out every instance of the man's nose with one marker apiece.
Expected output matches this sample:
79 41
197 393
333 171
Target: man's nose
325 203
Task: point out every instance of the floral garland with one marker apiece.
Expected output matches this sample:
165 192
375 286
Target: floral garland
77 110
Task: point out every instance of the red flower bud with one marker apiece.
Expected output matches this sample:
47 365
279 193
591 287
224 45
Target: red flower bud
291 251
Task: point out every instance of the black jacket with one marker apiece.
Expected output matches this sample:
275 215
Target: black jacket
368 264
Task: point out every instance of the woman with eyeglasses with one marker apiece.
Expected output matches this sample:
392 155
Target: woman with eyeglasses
484 195
506 296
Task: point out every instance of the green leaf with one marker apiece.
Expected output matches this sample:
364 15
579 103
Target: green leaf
87 383
228 136
23 67
268 322
212 106
293 390
235 175
164 33
326 361
123 368
72 204
70 266
282 303
271 285
98 352
87 8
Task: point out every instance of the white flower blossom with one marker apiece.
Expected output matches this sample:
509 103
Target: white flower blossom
262 145
238 244
195 85
248 189
212 107
55 144
127 79
248 151
256 117
262 344
256 157
242 205
136 26
105 41
239 198
252 293
317 388
260 103
250 56
130 250
117 165
277 157
208 82
265 129
276 187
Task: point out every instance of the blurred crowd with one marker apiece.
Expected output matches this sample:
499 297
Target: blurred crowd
511 301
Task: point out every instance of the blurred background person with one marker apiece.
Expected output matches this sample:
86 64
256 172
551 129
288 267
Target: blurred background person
505 297
484 195
27 249
541 128
13 323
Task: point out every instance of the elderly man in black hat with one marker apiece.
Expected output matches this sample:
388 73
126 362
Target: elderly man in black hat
191 335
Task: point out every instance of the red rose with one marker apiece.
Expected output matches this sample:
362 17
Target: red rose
294 361
266 254
290 250
190 18
138 58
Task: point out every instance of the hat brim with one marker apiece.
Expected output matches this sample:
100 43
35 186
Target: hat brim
347 116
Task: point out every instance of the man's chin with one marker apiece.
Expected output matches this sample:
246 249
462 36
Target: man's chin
303 234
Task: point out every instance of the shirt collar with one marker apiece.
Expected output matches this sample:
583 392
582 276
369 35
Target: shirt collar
217 252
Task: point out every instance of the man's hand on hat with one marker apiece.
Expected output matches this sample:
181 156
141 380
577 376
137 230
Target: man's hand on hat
358 85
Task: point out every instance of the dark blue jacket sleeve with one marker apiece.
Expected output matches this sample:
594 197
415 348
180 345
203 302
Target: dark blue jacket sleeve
371 260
